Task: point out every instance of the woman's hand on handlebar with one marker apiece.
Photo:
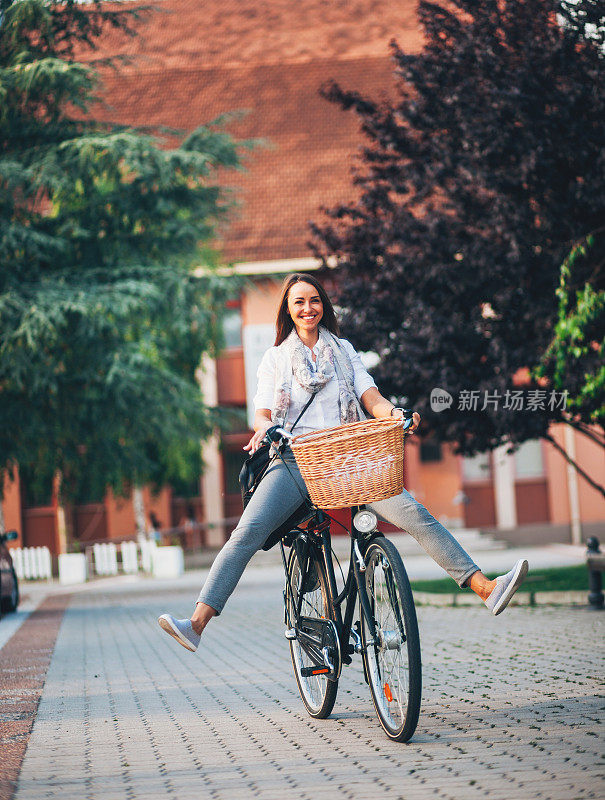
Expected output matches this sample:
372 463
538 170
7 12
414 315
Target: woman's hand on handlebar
415 419
378 406
261 426
415 422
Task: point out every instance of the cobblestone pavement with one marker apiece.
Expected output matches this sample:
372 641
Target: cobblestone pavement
511 708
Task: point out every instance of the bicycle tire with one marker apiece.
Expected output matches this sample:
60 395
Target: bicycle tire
393 662
317 692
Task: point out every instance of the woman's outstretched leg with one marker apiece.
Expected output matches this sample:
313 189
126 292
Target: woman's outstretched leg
201 616
480 584
275 500
408 514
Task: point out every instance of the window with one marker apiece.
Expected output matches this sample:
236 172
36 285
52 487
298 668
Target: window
430 450
232 327
476 468
528 460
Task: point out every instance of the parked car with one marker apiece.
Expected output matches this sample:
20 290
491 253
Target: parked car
9 586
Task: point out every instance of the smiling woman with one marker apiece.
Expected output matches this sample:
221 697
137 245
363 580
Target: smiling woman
310 360
306 310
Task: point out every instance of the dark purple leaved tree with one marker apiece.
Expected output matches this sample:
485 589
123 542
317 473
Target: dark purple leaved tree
474 185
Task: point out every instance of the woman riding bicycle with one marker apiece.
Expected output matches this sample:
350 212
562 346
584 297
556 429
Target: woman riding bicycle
309 359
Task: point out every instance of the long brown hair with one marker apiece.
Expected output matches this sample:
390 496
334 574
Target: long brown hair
284 323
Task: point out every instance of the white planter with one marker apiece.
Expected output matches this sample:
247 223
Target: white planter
168 562
72 568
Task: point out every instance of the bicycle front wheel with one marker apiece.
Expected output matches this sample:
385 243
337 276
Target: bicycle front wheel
392 658
317 692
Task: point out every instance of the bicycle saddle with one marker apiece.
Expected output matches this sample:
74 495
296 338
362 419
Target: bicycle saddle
299 516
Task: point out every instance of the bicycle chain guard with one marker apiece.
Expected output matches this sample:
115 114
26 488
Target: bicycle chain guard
319 640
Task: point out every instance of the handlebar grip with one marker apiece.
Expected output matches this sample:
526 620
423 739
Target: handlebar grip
408 416
276 433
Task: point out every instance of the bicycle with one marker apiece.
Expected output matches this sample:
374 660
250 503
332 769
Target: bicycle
319 631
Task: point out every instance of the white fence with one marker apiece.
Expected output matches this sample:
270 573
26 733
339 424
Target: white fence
103 558
147 551
130 557
166 562
32 563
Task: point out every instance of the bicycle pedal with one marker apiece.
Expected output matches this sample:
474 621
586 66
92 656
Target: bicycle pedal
306 672
290 633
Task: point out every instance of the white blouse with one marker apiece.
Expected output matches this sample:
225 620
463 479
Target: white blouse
323 411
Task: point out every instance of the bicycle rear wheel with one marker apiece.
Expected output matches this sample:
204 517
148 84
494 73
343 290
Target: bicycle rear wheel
392 661
317 692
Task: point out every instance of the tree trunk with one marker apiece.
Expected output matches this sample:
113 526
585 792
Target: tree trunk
575 465
64 512
139 512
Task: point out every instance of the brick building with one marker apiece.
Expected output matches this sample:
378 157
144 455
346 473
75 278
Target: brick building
194 61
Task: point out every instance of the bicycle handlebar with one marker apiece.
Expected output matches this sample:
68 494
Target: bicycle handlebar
275 434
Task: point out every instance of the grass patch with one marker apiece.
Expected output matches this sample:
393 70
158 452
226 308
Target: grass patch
554 579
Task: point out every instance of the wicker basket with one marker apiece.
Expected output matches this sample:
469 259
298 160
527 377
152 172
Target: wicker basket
352 464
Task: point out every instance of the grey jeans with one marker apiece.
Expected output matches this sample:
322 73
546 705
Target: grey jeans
277 498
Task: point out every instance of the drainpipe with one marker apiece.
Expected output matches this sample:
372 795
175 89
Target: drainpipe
572 488
504 488
212 481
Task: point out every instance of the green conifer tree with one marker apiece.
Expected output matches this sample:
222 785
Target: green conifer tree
103 314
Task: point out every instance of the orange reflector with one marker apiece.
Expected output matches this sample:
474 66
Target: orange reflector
387 693
321 671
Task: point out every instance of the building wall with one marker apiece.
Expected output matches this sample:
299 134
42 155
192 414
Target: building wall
40 528
558 494
437 484
231 384
260 301
112 519
120 516
592 458
90 522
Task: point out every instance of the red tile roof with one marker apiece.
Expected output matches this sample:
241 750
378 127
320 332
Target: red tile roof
195 60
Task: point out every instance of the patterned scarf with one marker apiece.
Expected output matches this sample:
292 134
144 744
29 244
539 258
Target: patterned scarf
331 357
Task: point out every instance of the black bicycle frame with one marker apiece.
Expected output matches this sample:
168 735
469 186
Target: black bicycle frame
314 539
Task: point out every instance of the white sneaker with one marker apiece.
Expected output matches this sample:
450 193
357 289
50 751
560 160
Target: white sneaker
506 586
181 630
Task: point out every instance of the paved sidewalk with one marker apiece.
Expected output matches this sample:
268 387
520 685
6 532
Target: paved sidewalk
510 707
